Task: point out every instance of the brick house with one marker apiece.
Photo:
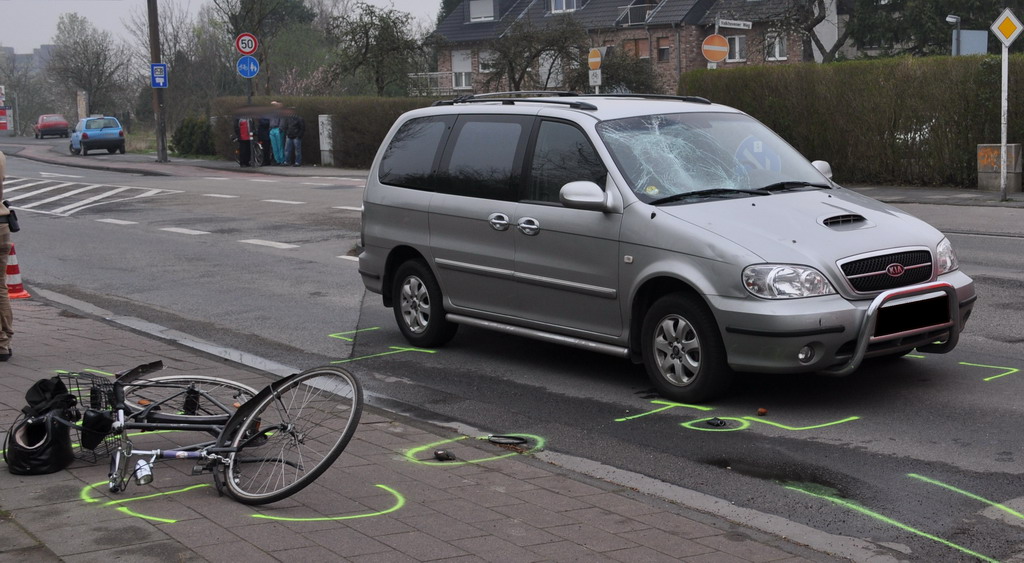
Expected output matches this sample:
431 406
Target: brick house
666 33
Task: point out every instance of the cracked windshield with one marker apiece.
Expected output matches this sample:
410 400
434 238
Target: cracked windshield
669 155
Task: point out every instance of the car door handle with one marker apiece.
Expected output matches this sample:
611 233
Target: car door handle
498 221
528 226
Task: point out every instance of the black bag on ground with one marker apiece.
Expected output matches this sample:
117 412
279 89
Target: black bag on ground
38 445
39 442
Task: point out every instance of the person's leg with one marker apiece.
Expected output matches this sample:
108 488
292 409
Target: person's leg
298 152
289 150
6 318
277 143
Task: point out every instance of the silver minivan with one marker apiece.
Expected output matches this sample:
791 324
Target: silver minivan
670 231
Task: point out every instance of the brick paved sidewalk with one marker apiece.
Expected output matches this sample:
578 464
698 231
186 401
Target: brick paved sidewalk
382 500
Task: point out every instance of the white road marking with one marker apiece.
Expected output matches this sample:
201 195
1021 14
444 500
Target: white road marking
282 245
265 181
348 208
182 231
215 178
87 201
226 196
117 222
284 201
350 258
30 194
61 196
55 175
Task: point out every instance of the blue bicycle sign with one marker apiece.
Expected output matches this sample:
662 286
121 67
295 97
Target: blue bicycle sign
248 66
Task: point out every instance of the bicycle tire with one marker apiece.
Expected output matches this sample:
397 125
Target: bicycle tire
291 435
258 156
217 397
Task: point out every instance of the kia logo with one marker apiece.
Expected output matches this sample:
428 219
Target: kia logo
895 270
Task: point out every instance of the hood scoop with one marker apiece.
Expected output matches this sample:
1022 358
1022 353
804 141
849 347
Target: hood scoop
846 222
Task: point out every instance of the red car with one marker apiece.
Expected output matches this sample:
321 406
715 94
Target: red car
50 124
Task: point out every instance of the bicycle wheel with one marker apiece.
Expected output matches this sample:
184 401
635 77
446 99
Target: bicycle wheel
187 397
292 435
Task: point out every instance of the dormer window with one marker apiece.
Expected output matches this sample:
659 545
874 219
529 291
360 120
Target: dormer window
558 6
481 10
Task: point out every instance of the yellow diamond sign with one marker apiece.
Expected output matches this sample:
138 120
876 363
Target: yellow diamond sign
1007 27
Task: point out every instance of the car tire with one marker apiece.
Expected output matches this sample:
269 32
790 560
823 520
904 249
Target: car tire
682 350
120 148
85 151
111 150
419 306
73 150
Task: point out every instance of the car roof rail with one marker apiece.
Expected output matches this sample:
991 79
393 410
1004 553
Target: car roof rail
693 99
510 98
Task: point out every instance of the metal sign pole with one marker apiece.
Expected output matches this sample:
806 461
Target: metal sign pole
1005 121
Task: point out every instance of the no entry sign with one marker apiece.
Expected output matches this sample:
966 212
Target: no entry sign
715 48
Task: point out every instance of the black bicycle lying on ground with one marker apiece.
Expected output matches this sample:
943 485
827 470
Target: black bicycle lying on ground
266 445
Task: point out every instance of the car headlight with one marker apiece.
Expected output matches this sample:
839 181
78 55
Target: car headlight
946 256
783 281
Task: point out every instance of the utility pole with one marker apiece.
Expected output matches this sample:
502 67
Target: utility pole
158 93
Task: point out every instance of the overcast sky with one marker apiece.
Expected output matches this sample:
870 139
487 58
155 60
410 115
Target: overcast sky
27 24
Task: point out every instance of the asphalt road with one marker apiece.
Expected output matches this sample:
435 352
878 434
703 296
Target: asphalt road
920 456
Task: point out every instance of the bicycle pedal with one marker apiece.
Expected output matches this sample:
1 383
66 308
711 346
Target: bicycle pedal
198 469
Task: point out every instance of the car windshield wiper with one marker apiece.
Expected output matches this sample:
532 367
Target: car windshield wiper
792 185
710 193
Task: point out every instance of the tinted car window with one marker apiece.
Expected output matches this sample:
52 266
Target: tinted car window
562 154
485 156
409 159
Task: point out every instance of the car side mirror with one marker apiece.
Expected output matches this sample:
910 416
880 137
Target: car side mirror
824 167
584 195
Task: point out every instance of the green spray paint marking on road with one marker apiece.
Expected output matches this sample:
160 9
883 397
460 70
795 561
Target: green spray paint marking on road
399 503
1008 371
668 405
394 350
967 494
341 335
692 425
84 495
412 453
885 519
744 421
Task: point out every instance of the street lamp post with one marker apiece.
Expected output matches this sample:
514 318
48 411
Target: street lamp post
955 20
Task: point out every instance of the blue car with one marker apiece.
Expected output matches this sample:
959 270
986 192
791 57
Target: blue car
94 133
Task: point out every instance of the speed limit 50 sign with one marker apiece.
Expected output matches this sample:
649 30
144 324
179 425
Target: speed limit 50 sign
246 43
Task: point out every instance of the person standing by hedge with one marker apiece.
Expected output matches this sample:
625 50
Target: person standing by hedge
294 130
6 317
276 134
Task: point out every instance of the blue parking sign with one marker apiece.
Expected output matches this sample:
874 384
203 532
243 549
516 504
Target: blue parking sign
248 66
158 75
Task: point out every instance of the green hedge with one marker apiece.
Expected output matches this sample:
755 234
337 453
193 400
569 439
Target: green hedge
359 124
913 121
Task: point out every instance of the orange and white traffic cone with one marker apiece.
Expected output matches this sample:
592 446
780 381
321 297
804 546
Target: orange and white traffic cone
15 289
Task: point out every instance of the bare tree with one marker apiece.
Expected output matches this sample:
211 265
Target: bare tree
265 19
528 55
87 59
28 92
378 44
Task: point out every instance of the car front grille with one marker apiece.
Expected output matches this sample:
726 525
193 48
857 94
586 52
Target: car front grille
879 273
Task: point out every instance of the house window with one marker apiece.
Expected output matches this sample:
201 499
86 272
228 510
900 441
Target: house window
563 5
481 10
640 48
664 45
462 70
487 61
776 47
737 48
